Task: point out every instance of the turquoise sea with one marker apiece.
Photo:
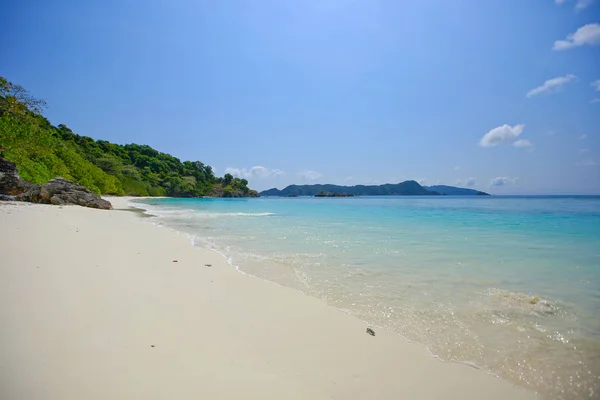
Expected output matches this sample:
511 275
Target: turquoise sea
510 285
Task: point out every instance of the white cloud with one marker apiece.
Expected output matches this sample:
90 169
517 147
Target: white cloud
584 151
583 137
522 143
348 178
588 163
499 181
503 181
595 100
234 171
422 181
501 134
258 171
551 85
587 34
457 167
470 182
596 85
581 4
458 183
309 175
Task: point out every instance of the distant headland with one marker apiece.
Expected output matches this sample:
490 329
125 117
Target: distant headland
407 188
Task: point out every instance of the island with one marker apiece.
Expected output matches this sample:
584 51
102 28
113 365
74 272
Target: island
329 194
455 191
407 188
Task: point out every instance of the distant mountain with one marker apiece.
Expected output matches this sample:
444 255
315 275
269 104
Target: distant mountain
408 188
454 191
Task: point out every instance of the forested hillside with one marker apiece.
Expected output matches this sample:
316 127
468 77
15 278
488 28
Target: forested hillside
407 188
43 151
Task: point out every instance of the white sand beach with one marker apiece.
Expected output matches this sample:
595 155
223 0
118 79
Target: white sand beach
94 306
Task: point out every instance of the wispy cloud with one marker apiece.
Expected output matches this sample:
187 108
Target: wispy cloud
470 182
501 134
503 181
258 171
582 151
588 34
457 167
499 181
588 163
596 85
422 181
581 4
522 143
309 175
583 137
551 85
595 100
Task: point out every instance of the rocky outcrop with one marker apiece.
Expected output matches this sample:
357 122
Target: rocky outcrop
57 191
10 182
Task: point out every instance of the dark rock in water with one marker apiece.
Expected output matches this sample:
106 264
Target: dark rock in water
58 191
370 331
328 194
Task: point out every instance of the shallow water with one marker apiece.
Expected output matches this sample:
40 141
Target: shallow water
508 284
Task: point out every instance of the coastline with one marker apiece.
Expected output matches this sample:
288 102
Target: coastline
101 310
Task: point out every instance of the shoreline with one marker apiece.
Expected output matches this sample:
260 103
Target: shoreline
107 289
143 213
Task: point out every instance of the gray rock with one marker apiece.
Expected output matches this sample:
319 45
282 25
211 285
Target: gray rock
10 182
60 191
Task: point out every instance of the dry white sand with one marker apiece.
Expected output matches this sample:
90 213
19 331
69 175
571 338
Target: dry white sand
92 306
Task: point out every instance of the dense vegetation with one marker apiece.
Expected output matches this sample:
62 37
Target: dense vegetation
408 188
43 151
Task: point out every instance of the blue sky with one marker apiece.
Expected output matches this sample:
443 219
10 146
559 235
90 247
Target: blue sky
497 94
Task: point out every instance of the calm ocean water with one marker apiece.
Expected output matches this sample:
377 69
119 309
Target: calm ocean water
508 284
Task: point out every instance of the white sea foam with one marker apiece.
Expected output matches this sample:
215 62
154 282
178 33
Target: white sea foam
159 211
232 214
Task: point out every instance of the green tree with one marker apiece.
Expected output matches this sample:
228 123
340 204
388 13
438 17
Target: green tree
227 178
17 101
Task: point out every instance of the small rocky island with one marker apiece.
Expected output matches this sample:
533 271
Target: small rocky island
329 194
